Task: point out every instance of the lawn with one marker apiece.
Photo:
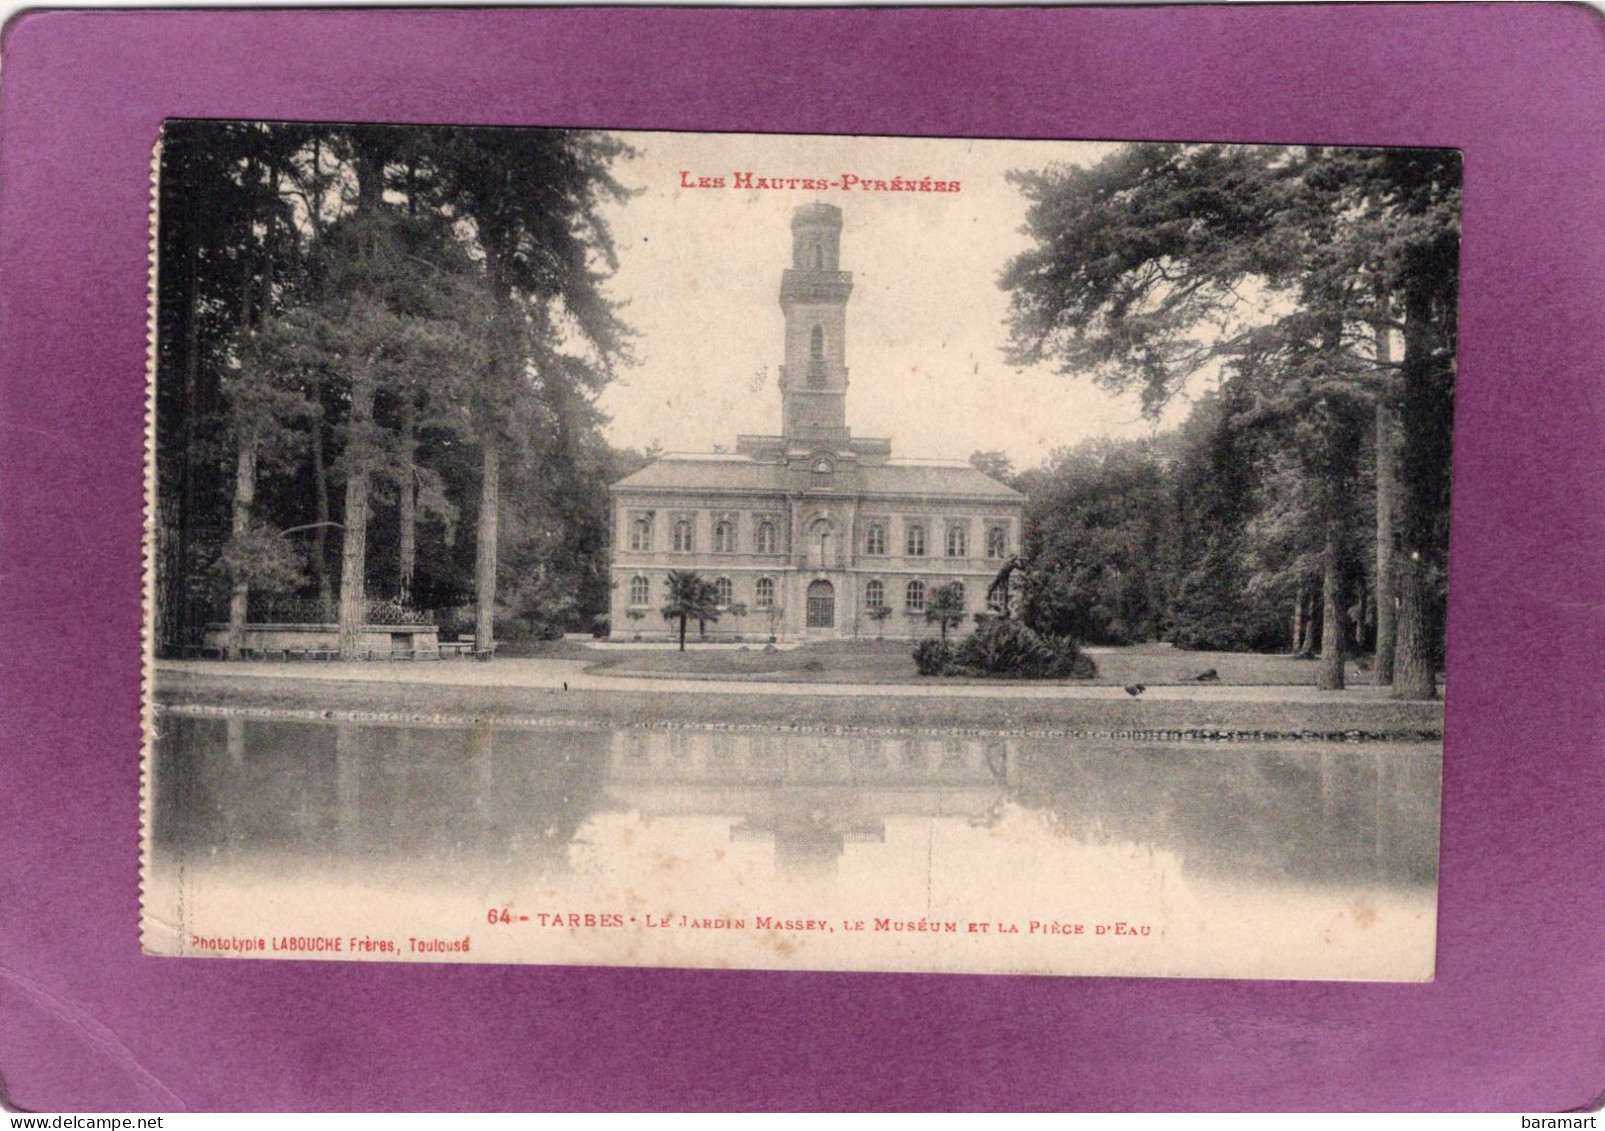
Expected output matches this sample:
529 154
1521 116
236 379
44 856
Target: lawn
887 661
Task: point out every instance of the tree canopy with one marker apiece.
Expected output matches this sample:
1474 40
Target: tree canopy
1283 275
364 332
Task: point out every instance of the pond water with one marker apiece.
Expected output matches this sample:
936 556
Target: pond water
787 849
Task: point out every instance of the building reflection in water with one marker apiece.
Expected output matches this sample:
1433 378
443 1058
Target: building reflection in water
442 801
809 795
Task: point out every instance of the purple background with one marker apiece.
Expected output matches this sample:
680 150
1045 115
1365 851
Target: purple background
1516 1018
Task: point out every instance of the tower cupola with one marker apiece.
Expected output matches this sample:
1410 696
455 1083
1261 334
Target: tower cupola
813 296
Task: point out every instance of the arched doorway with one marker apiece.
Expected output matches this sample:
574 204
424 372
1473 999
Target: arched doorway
821 605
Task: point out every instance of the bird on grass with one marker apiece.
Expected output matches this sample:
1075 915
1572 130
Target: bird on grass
1209 675
1135 689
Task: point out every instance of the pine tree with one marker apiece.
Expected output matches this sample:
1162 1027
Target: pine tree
1164 261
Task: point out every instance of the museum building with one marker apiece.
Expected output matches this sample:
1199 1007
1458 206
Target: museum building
814 532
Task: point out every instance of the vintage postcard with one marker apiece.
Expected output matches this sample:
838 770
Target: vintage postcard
797 552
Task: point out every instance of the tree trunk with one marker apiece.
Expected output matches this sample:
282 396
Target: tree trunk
1387 457
320 470
1342 424
407 494
485 550
187 618
320 495
1413 675
682 632
1330 676
354 545
1306 616
244 498
1298 622
1426 419
368 161
503 364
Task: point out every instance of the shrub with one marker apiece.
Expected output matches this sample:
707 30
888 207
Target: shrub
1084 667
932 657
1007 649
262 559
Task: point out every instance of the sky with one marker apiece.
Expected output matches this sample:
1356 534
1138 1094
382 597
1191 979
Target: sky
699 274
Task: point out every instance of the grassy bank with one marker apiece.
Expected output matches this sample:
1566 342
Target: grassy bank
892 661
1371 718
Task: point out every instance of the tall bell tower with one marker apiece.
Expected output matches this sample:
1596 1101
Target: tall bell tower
813 295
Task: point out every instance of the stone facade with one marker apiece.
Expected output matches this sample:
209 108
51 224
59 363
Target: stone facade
813 529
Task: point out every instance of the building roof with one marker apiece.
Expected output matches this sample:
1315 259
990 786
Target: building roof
896 477
731 472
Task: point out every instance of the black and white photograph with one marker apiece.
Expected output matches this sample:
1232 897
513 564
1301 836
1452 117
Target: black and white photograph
801 552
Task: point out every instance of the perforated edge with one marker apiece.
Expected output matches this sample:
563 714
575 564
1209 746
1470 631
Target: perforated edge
148 552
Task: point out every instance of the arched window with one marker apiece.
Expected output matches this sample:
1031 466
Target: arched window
640 591
766 537
958 591
875 540
875 595
994 600
816 356
914 540
765 593
641 534
914 597
724 538
958 542
724 592
997 542
819 256
684 537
